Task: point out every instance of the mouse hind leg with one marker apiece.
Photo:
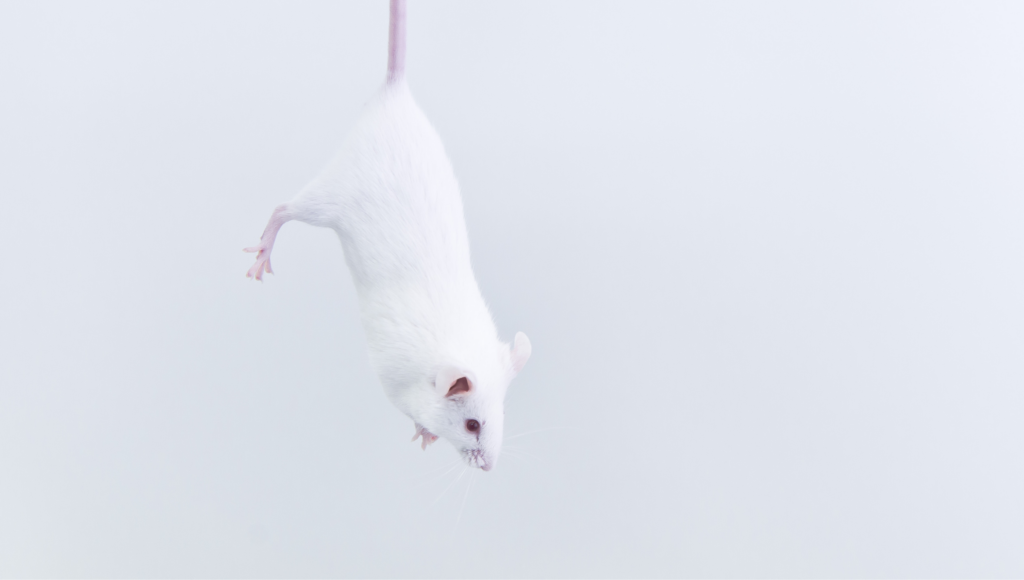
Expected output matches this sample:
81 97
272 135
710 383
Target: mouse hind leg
280 216
313 206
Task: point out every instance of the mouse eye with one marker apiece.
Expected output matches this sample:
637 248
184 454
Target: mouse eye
473 425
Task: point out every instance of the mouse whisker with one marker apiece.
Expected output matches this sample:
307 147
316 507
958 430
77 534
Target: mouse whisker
532 432
443 467
472 479
450 469
519 453
514 456
450 486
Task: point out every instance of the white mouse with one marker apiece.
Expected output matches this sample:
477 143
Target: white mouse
392 197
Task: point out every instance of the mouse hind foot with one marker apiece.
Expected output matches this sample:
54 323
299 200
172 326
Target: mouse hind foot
266 246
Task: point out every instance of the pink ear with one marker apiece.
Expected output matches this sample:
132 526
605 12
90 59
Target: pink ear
452 381
521 350
461 385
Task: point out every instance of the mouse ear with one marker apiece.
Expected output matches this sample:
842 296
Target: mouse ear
521 350
452 381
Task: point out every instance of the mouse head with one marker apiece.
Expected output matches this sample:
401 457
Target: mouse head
471 409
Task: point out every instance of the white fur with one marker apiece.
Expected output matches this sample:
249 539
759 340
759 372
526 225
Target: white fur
392 197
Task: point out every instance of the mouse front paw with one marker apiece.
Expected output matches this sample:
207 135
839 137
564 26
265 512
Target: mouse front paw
428 437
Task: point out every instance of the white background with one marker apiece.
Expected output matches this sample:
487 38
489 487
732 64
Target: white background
769 256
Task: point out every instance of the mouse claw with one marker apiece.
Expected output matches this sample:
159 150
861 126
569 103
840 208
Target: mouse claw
262 251
262 263
427 440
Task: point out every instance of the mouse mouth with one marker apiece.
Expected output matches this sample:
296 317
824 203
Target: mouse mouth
475 458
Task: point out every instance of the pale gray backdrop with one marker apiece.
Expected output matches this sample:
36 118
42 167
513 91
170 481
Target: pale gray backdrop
769 255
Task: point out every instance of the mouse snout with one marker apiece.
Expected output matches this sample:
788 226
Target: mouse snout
476 458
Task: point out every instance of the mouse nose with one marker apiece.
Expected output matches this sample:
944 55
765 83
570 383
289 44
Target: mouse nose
486 467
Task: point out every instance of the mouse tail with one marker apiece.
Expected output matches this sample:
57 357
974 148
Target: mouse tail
396 42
